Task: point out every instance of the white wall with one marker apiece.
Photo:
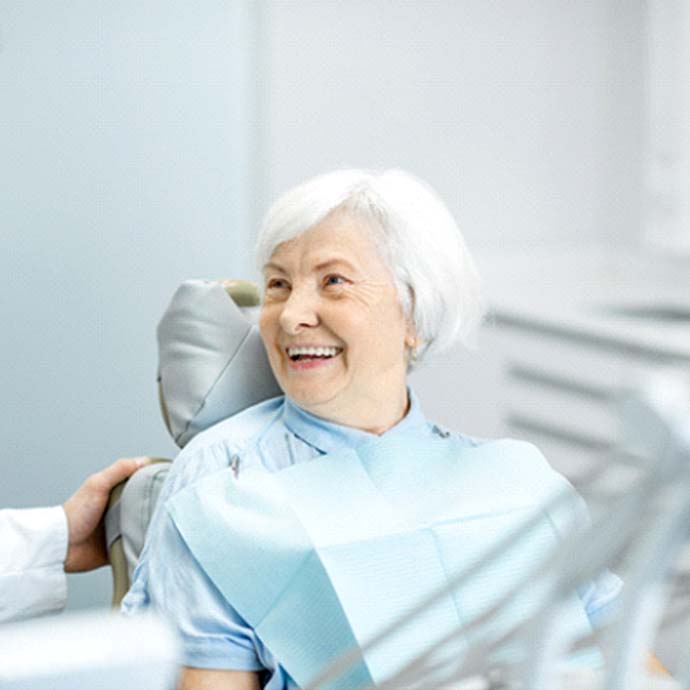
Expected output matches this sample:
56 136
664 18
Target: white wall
667 163
122 172
526 115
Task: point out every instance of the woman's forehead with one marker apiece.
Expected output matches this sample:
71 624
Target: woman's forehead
315 265
329 244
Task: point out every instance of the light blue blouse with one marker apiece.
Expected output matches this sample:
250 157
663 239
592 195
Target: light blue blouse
276 433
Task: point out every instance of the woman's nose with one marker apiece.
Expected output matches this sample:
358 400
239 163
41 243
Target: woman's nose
299 311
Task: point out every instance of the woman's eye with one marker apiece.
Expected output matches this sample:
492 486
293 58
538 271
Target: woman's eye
334 280
276 283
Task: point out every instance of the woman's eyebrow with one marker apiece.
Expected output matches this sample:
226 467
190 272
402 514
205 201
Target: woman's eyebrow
276 267
333 262
271 265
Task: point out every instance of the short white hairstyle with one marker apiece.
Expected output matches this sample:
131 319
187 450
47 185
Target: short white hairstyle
437 283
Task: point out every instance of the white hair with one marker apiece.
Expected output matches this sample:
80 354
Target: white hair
437 283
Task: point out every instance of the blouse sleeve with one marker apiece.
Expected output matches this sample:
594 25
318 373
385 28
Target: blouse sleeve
600 597
169 580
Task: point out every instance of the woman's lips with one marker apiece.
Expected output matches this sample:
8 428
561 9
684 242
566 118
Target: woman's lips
314 363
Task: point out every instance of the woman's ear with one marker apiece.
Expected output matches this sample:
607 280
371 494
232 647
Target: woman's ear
411 339
411 343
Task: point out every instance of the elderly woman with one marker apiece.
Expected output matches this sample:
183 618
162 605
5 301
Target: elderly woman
294 530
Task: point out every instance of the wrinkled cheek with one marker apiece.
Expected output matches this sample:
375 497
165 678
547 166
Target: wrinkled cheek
268 326
263 331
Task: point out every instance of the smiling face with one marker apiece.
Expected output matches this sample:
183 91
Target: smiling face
328 288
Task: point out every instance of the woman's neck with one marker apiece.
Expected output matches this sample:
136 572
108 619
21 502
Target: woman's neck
372 415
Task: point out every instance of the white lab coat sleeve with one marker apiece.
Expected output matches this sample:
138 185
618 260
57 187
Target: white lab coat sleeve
33 547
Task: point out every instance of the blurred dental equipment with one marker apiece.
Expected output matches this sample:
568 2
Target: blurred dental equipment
640 523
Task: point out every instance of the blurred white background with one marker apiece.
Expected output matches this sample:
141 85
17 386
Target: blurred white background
141 143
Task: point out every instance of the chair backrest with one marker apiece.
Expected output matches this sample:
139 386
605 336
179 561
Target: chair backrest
211 360
212 364
127 519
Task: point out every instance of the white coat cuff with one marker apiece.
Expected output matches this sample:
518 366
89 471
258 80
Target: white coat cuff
55 536
32 577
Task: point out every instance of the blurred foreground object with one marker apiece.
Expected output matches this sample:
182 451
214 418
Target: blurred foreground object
640 505
94 651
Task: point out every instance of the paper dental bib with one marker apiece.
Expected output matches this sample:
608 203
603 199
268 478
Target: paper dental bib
320 556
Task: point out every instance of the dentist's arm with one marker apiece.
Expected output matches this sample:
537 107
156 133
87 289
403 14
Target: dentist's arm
38 545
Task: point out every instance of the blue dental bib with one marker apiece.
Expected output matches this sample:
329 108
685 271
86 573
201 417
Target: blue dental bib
322 555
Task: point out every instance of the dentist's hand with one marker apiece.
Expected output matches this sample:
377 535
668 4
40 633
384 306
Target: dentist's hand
87 548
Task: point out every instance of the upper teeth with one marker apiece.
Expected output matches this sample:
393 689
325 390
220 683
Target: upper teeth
318 351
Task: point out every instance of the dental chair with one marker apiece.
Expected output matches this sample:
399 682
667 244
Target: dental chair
212 364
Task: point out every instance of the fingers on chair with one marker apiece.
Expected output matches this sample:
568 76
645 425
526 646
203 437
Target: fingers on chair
119 471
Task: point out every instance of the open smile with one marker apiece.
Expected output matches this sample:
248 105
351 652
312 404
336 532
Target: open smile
311 358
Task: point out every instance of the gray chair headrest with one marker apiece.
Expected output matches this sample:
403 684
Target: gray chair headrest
212 362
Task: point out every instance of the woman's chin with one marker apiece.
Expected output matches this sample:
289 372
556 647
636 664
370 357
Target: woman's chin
311 397
307 398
